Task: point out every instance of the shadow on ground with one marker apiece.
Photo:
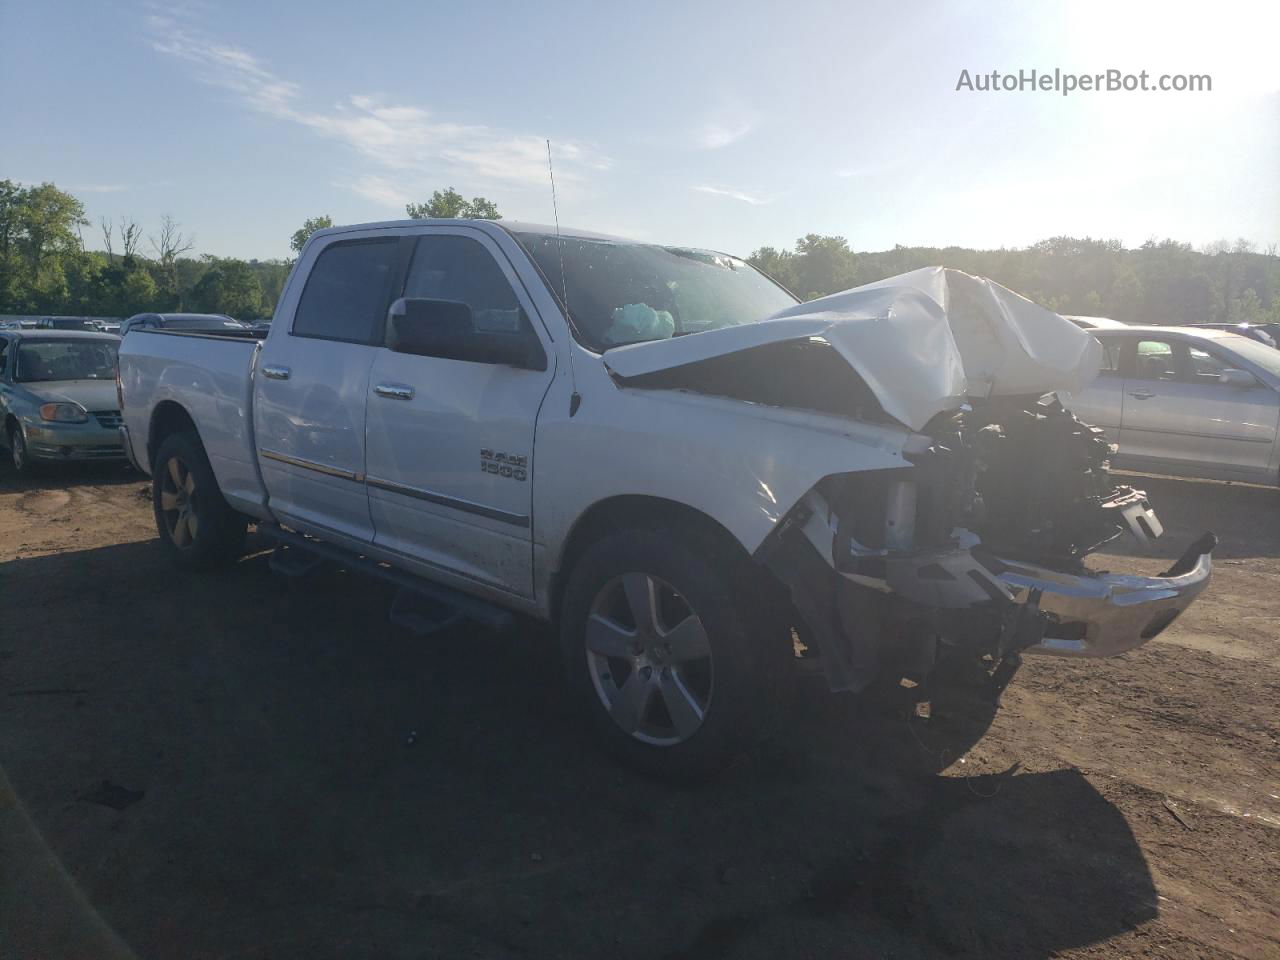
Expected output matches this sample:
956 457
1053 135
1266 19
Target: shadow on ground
316 783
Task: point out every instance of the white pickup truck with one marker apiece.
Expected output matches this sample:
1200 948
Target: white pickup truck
658 449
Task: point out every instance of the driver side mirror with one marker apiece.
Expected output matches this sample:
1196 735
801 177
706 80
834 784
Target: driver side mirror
446 329
1241 379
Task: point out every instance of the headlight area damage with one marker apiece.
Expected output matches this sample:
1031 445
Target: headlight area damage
978 544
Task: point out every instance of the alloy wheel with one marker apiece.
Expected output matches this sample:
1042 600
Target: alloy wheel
649 659
177 503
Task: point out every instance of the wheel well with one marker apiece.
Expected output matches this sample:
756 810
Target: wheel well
10 422
616 513
167 419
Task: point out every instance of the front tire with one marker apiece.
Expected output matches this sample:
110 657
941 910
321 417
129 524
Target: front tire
666 650
18 454
197 527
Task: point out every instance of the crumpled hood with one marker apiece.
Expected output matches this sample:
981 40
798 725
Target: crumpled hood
922 341
90 394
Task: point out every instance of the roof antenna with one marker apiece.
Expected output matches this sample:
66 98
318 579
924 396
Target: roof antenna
575 398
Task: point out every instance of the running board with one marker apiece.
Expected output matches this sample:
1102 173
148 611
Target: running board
420 606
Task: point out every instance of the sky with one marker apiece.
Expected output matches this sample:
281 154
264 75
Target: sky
730 126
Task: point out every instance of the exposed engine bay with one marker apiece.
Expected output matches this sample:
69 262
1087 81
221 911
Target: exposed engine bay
1032 480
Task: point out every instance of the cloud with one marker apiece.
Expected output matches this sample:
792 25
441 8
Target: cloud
380 190
734 195
719 134
400 139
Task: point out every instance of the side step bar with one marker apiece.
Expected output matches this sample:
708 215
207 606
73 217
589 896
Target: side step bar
420 606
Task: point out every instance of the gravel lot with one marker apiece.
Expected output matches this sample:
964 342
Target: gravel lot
233 766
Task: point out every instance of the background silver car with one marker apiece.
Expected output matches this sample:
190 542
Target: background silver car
58 396
1187 401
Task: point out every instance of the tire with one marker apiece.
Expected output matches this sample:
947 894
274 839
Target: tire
18 454
679 688
197 527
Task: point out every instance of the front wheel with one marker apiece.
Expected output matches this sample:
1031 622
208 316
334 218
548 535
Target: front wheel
196 525
18 454
665 651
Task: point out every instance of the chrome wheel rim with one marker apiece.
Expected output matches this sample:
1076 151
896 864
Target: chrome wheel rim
649 659
17 450
177 503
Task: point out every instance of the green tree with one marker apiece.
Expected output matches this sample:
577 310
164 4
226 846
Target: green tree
228 286
823 265
303 233
448 204
775 263
124 288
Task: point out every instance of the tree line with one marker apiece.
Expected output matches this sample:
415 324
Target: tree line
47 266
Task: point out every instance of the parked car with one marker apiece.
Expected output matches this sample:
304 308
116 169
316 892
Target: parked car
67 323
1253 331
1190 401
58 397
1095 323
191 322
594 432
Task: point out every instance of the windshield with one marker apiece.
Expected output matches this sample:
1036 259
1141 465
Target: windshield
1259 354
66 360
621 292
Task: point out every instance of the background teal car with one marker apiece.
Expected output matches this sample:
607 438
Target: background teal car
58 396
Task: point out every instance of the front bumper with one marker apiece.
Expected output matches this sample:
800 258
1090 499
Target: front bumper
73 441
1105 614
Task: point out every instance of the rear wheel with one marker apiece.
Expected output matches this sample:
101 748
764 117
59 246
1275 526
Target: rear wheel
197 527
666 652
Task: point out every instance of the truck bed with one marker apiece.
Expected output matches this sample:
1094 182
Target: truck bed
209 374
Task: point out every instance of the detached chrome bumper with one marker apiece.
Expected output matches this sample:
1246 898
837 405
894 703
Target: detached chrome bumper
1107 614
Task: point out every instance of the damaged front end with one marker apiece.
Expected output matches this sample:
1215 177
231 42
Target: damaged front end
977 547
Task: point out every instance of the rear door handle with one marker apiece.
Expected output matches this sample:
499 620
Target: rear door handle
1142 395
273 371
394 391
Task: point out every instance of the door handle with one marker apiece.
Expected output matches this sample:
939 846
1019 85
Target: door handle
273 371
394 391
1142 395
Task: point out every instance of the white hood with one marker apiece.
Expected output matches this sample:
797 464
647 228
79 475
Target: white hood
922 341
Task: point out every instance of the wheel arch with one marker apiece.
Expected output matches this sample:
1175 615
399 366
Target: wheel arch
169 417
633 510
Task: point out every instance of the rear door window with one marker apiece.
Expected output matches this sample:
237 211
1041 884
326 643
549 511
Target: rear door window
348 291
1155 360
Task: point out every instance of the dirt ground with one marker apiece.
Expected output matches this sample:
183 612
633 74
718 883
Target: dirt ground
234 767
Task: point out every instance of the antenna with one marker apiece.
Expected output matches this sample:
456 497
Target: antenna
575 398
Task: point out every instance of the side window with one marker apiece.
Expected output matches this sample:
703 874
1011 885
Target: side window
1155 361
347 293
1202 366
1110 355
4 356
460 269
